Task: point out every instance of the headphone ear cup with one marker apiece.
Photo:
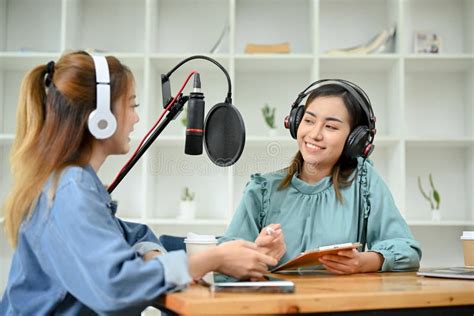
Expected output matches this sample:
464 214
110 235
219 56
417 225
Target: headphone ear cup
356 142
296 116
102 124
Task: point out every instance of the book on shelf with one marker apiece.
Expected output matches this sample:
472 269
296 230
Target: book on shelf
377 44
281 48
311 257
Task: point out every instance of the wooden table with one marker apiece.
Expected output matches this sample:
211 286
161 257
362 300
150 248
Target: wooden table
324 292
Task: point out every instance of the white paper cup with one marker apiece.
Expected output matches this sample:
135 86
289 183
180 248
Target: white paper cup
468 248
193 247
199 243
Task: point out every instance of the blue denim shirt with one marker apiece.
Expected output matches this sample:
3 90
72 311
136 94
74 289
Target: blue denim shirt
75 257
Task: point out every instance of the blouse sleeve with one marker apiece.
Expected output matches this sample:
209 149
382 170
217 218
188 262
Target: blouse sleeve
387 231
88 255
140 237
247 220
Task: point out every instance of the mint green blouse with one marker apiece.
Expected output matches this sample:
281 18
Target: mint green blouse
311 216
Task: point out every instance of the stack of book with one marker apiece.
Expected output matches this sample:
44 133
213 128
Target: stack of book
377 44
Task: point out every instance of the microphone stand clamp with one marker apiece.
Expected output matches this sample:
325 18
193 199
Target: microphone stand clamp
177 107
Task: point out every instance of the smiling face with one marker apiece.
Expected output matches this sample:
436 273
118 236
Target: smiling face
127 117
322 134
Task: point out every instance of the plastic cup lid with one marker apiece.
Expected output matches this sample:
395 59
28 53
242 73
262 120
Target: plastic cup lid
467 235
200 239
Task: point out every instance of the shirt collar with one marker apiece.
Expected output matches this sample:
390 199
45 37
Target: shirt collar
112 205
307 188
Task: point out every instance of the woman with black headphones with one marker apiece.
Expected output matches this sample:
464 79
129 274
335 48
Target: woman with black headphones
330 194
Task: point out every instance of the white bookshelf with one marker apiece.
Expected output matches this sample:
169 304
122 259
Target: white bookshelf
424 103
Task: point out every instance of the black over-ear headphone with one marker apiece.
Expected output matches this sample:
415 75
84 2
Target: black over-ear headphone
360 140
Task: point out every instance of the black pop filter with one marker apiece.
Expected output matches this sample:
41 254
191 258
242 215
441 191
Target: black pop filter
224 136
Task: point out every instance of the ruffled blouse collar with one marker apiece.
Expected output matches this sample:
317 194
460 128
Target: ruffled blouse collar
307 188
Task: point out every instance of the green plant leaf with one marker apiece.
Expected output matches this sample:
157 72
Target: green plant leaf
269 115
437 198
420 187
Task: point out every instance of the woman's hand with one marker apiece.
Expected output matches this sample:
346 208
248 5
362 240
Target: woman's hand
352 261
271 241
151 254
240 259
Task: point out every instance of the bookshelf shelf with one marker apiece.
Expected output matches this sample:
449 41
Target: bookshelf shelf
445 223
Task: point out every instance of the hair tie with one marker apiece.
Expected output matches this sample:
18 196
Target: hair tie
49 73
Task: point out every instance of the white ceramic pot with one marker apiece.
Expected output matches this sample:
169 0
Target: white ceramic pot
435 215
187 209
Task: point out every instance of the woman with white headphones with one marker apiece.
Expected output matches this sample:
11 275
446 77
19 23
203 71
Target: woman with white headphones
73 255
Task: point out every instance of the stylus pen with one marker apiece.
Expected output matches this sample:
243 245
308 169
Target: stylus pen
269 230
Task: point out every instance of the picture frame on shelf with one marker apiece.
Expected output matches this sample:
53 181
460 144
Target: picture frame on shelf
427 43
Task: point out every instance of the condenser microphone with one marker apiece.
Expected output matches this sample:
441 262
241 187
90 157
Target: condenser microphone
195 126
222 131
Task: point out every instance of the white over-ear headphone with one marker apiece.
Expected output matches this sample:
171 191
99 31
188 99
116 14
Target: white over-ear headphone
102 123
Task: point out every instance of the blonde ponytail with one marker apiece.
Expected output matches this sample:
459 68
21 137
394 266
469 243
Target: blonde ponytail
54 104
30 119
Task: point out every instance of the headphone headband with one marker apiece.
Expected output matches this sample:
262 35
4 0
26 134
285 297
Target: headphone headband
360 140
356 91
101 69
102 123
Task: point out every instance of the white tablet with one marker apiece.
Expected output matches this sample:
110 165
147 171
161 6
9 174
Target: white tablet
269 284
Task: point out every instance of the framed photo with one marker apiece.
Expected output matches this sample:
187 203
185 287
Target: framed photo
427 43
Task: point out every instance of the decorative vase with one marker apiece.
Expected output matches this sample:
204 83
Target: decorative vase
435 215
187 209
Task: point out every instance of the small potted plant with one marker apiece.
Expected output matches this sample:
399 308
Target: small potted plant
432 197
269 117
187 205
